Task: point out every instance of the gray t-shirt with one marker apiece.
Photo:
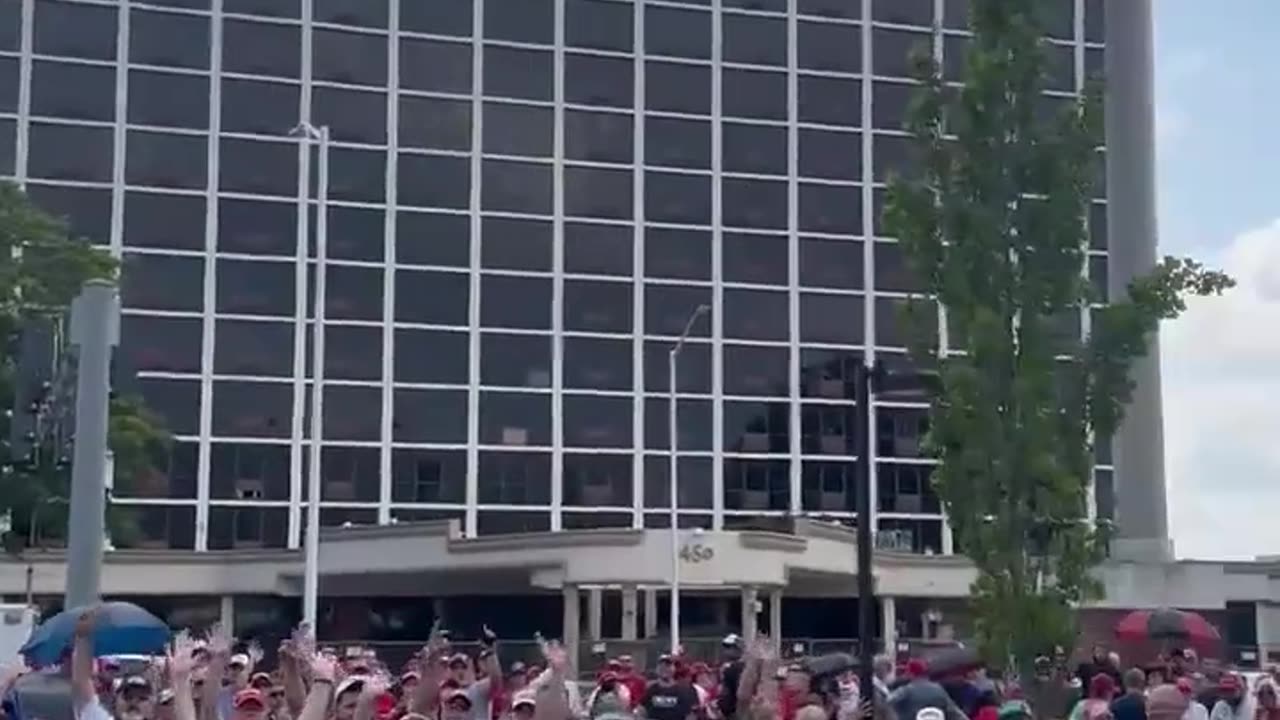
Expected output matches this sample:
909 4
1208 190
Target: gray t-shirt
908 700
479 693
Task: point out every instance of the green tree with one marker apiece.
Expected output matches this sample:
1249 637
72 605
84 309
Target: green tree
993 222
42 268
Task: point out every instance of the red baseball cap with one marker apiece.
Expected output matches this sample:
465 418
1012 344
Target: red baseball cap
916 668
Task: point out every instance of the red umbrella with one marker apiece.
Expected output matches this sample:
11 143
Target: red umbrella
1167 624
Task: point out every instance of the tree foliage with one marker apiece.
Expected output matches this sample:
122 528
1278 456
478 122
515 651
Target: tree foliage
42 268
993 221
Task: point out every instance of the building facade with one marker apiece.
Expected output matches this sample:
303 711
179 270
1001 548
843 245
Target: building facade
528 201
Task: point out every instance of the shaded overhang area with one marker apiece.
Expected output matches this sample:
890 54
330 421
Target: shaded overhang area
807 557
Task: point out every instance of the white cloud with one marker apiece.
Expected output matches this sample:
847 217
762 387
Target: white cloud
1221 389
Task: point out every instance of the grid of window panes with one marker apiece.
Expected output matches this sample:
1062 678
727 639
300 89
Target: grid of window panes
528 200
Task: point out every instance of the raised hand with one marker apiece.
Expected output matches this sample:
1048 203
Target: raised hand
437 643
85 623
324 667
488 638
182 658
555 655
376 685
219 640
255 653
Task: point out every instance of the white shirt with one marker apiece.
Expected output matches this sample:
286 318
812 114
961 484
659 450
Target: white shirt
1195 711
93 711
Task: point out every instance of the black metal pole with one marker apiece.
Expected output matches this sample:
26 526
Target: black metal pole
866 582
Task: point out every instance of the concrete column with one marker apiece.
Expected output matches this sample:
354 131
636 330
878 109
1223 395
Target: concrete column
775 618
572 639
889 621
630 609
227 614
650 613
749 597
1142 531
595 614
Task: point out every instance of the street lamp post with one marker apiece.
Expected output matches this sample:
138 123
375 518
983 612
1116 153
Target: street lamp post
674 473
308 133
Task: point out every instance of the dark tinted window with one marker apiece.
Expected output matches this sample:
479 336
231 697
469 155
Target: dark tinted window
168 39
754 370
72 29
430 416
352 115
366 13
755 314
667 309
433 239
757 259
755 94
258 48
599 24
693 375
255 288
257 227
168 99
165 221
8 84
597 421
754 148
511 129
597 363
831 209
253 347
833 319
830 154
755 40
355 233
439 17
597 192
676 87
87 211
176 401
893 50
515 360
251 166
903 12
64 90
352 352
353 293
252 409
530 21
63 152
602 81
428 181
431 356
677 198
352 413
597 306
830 101
8 145
831 263
516 186
681 33
514 419
435 123
347 57
516 244
10 24
165 160
162 344
677 143
517 73
253 106
435 65
517 478
682 254
598 136
596 480
357 174
754 203
830 47
267 8
597 249
161 282
426 296
889 102
515 302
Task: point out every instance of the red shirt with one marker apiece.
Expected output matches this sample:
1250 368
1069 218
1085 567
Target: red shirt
636 686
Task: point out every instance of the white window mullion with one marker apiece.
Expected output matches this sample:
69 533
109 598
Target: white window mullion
22 149
637 269
473 319
557 281
385 466
717 275
793 260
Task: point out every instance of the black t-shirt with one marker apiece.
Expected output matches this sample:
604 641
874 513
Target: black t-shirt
1130 706
669 701
730 676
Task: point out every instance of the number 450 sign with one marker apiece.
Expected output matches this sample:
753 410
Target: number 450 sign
696 553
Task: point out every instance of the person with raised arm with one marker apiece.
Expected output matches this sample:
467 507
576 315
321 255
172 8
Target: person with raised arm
324 670
181 664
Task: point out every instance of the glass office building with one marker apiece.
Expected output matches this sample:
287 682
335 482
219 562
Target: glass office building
528 200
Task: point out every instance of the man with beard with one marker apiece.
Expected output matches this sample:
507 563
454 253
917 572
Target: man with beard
667 698
133 696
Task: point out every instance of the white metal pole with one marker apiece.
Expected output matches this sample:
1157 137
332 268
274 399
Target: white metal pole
311 575
674 475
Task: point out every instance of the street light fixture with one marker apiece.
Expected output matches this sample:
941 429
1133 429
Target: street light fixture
307 133
674 472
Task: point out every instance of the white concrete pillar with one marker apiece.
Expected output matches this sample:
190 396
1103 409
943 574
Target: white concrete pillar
889 621
227 614
572 639
650 613
595 614
775 619
749 597
630 610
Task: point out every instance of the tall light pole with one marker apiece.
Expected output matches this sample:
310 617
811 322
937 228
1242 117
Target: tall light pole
308 133
674 473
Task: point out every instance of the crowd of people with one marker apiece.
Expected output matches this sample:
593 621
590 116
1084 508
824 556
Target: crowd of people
214 678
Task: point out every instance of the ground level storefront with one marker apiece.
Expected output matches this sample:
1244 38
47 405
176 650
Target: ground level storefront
608 588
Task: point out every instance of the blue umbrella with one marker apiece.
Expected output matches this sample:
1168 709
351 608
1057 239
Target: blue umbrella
120 628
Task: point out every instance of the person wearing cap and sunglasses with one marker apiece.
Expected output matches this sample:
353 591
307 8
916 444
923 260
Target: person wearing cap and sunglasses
667 698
